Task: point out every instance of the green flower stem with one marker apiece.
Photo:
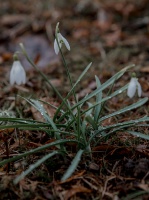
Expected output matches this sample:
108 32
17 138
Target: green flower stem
64 61
46 79
70 80
69 93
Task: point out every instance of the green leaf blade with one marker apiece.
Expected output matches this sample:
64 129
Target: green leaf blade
73 165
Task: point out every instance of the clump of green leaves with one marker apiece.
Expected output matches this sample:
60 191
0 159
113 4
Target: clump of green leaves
81 120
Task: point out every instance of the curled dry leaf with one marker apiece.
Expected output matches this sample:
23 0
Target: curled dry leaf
74 190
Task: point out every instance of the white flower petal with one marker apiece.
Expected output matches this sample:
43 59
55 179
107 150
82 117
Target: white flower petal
12 80
17 74
132 87
139 89
61 40
64 41
56 48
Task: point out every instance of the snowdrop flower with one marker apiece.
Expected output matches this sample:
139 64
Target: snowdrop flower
134 86
17 73
61 40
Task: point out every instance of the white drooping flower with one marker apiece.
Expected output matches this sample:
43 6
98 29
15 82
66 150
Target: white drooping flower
61 40
134 86
17 73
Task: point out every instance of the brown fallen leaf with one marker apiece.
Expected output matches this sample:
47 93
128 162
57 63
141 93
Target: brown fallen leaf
87 90
74 190
33 145
7 20
81 33
93 166
112 151
6 56
143 150
104 19
112 38
36 114
145 69
49 109
28 186
143 186
74 177
103 147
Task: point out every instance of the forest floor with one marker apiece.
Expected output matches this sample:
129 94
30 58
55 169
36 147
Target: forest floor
111 34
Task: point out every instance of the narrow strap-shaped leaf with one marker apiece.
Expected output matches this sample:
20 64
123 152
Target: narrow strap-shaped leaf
32 151
40 108
72 89
135 105
138 134
20 120
55 107
23 125
107 98
73 165
102 100
33 166
119 126
103 86
98 99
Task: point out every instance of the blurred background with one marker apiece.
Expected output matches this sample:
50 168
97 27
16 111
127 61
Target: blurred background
111 34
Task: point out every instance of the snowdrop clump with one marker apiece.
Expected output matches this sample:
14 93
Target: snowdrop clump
61 40
134 86
17 73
